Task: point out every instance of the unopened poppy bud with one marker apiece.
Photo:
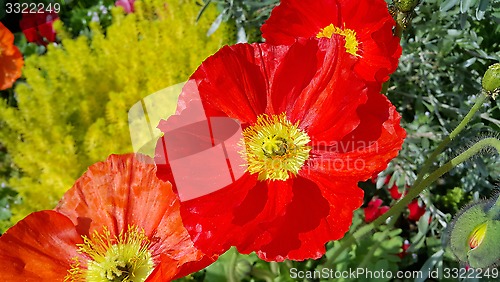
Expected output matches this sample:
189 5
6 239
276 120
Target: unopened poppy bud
406 5
491 80
477 236
475 233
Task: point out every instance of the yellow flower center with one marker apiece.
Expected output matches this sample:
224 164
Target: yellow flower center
122 258
351 43
275 148
477 235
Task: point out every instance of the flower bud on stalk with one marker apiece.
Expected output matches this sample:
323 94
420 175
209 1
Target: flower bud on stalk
403 11
406 5
475 233
491 80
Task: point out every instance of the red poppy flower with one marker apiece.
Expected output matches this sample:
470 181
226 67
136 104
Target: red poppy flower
37 27
119 220
11 59
366 25
416 211
394 191
310 130
374 210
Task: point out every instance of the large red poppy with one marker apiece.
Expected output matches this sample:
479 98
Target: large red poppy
369 21
311 129
11 59
119 206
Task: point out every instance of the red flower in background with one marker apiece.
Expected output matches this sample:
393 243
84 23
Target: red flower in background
394 191
117 221
11 59
366 25
406 245
374 210
416 211
311 131
37 27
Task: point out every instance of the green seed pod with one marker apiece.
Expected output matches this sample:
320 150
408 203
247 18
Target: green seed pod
491 80
475 233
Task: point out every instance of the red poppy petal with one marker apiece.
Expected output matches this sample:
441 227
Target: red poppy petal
317 214
39 248
325 108
216 221
232 81
292 19
379 49
308 83
46 30
367 149
318 70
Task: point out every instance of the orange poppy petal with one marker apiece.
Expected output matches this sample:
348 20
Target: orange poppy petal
119 192
38 248
164 271
11 59
124 191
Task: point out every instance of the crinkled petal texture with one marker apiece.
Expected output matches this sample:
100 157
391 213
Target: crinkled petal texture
124 191
39 248
11 59
379 50
312 82
121 192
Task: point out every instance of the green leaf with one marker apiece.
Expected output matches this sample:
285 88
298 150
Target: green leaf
448 4
465 5
481 9
215 25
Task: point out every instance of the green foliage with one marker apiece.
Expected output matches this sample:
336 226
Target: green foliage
444 58
453 200
72 110
248 16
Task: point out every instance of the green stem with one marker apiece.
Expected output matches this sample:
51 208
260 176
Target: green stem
428 163
395 210
374 248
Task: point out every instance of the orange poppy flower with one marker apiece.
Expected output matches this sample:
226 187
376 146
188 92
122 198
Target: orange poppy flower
118 223
11 59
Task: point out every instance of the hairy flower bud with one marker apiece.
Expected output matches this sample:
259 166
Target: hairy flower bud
474 233
491 80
